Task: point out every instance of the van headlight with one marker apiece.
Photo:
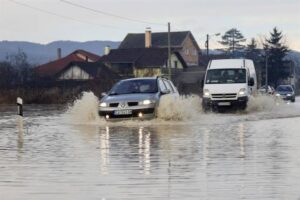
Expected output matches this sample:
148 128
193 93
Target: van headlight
206 93
103 104
242 92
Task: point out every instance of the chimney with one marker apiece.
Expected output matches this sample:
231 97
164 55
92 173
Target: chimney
58 53
148 39
106 50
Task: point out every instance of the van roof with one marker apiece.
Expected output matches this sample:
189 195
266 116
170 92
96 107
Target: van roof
228 63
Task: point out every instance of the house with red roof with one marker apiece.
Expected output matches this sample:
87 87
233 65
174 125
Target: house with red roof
53 69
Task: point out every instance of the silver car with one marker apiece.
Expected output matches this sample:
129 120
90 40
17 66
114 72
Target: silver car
135 98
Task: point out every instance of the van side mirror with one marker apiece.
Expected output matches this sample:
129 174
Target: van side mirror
202 83
103 94
166 91
251 82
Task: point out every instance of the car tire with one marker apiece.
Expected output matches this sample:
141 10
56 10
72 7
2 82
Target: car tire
293 100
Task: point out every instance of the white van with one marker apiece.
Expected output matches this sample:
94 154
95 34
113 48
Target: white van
228 83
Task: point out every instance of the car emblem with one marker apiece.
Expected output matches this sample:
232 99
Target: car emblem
123 105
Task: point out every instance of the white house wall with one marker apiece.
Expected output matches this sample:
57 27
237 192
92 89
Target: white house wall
75 73
174 58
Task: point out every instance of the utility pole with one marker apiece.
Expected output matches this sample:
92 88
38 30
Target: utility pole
207 44
295 80
207 41
169 50
233 43
267 58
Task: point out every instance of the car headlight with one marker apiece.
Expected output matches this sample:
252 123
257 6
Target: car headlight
103 104
242 92
147 102
289 95
206 93
277 95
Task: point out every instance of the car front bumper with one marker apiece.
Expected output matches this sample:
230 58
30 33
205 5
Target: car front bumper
137 112
286 98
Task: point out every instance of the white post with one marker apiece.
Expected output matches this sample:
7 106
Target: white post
20 106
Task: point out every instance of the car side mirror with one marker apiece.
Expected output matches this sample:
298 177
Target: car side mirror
251 82
103 94
167 91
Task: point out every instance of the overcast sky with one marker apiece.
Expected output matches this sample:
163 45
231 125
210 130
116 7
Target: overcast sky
62 21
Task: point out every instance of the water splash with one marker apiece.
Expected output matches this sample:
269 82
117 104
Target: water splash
180 108
262 103
85 108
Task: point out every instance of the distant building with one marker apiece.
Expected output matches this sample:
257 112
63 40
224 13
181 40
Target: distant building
139 62
183 42
52 69
86 71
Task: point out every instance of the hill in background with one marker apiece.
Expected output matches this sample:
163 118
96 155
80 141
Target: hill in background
42 53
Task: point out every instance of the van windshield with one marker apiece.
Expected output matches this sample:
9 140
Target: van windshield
225 76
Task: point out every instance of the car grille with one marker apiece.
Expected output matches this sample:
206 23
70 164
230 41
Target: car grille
133 103
113 104
224 96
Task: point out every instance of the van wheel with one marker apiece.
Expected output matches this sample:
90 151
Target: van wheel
205 108
243 106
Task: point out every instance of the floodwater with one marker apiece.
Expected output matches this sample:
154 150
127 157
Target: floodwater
68 153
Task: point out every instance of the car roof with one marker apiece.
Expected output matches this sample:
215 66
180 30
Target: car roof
285 86
144 78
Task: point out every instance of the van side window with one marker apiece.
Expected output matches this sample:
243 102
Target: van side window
161 85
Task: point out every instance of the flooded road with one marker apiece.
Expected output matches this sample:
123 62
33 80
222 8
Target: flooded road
250 155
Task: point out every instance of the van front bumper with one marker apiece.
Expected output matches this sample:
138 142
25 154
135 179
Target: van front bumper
239 102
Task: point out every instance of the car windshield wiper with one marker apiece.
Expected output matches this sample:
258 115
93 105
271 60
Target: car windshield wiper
113 93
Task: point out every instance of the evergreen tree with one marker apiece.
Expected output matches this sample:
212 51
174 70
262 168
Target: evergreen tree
276 51
233 40
252 52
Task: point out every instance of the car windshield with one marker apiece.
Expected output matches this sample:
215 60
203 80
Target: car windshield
221 76
284 88
135 86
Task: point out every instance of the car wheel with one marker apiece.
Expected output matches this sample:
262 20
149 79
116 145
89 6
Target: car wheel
293 100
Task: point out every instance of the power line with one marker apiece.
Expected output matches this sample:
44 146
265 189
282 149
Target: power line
63 16
110 14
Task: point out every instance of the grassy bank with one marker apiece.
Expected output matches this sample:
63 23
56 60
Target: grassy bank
54 93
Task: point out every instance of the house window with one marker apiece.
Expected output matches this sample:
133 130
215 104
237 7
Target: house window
187 51
195 52
175 64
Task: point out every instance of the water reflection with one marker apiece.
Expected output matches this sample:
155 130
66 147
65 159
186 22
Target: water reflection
241 132
144 150
20 133
104 151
